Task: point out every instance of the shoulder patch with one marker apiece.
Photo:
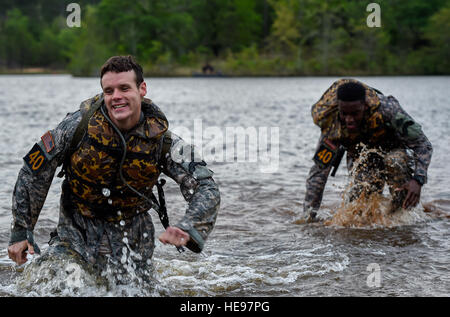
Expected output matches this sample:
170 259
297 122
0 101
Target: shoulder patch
47 140
325 154
35 159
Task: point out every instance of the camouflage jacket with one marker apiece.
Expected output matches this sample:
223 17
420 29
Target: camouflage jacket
84 234
400 131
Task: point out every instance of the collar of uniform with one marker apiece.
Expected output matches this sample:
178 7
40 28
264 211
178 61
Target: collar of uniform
151 123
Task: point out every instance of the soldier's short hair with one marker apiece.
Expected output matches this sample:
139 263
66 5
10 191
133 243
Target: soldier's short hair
120 64
351 91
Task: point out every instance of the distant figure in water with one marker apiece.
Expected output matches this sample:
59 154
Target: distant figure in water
207 69
354 117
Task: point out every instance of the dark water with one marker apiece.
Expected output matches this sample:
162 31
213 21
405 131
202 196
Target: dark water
258 247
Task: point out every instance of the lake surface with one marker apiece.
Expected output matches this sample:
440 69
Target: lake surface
258 247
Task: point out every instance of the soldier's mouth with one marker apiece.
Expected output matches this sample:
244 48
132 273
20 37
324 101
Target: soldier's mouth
351 125
119 106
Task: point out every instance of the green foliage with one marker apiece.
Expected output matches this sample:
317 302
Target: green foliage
437 32
240 37
88 50
285 35
19 43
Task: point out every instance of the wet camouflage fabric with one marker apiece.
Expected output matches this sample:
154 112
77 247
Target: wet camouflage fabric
386 127
374 169
99 157
135 235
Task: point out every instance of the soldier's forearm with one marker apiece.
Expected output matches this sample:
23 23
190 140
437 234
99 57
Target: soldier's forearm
315 185
202 211
411 134
29 196
423 151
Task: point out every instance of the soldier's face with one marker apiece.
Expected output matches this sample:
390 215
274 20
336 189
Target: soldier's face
123 98
352 114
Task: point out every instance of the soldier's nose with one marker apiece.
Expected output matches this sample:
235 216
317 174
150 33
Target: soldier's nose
116 94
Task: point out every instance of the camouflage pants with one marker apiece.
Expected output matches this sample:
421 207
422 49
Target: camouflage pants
372 170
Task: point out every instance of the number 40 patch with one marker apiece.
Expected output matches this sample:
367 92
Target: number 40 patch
35 159
325 154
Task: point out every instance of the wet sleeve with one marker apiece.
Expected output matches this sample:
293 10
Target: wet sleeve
315 185
411 134
198 188
36 175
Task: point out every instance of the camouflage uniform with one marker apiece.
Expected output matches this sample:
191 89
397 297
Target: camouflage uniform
386 128
90 236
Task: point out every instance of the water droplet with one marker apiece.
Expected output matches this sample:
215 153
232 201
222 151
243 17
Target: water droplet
110 201
122 223
119 213
145 235
106 192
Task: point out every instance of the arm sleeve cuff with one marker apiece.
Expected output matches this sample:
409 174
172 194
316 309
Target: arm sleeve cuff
17 235
196 242
22 234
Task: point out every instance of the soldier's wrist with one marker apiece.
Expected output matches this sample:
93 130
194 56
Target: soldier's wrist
196 241
18 233
419 179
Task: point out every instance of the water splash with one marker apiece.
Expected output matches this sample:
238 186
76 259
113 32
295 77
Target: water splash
58 276
370 208
374 211
231 275
65 275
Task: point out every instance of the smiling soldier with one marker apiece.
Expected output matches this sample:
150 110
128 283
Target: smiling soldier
353 117
113 149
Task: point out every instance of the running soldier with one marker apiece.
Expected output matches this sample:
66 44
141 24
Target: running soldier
110 165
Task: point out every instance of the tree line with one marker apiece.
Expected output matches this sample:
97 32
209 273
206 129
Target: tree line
238 37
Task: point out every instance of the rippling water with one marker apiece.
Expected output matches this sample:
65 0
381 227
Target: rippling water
258 247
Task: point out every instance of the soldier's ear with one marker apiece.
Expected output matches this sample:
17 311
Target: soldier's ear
143 89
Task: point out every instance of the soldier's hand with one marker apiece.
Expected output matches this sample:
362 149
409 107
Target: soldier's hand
18 251
312 217
175 236
413 189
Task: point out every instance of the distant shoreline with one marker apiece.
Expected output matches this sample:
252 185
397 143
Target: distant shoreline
175 74
32 71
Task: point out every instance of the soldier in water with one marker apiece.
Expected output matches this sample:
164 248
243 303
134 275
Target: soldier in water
113 149
353 116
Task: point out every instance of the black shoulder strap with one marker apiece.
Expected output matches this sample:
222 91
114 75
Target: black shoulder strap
377 91
79 134
165 148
